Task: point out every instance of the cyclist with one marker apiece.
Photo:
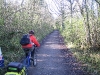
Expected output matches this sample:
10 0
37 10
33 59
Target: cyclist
33 43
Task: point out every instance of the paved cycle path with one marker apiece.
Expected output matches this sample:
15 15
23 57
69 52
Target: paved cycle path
53 58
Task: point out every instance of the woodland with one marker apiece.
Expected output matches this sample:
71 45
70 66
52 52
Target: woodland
77 20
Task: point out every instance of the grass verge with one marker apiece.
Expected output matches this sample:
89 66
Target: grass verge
90 60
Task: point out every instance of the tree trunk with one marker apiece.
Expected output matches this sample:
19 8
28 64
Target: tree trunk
88 38
94 26
62 11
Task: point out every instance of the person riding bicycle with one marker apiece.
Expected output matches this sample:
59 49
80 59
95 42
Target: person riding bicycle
33 43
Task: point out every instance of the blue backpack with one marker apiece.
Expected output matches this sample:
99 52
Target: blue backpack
25 40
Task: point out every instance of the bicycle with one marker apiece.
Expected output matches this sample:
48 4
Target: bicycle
30 60
16 68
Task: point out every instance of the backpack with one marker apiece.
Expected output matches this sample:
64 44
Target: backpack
25 40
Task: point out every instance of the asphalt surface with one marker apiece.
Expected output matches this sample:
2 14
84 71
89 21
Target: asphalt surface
54 58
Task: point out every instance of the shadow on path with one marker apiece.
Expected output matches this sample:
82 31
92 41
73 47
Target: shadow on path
53 58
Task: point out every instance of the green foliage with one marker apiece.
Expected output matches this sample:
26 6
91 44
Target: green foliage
1 22
18 21
90 60
74 32
9 41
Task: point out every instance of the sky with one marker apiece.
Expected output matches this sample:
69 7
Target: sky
53 6
49 2
14 1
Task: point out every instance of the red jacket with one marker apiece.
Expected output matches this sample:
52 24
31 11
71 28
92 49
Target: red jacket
33 40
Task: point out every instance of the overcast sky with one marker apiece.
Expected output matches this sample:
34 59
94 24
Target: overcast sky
53 5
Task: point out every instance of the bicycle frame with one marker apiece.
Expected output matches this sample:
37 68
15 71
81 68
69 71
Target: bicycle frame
27 61
30 61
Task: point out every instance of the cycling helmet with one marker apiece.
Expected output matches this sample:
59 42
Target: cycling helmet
31 32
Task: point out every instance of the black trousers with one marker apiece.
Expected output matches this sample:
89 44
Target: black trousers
27 50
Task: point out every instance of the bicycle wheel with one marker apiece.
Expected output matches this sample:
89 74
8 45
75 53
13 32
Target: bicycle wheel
27 62
26 71
35 59
31 62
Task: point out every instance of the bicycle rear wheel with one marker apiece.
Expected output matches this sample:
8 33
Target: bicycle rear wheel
26 71
31 62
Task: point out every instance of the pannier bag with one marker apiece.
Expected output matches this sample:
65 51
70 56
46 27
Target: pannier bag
14 67
1 61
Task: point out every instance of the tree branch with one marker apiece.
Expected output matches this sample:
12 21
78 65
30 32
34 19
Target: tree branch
98 2
13 13
22 2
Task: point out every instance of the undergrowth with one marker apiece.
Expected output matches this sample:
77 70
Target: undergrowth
11 48
89 58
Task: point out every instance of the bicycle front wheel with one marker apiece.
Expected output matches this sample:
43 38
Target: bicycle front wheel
35 59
